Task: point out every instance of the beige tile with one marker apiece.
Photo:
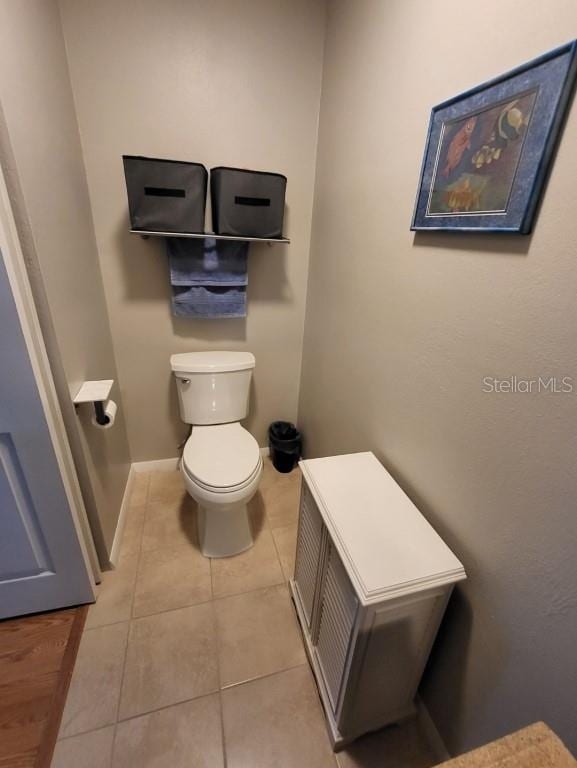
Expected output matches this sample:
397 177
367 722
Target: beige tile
285 539
170 525
280 494
398 746
171 657
276 721
166 488
132 534
257 635
95 687
140 486
115 593
89 750
270 475
171 578
183 736
258 567
257 515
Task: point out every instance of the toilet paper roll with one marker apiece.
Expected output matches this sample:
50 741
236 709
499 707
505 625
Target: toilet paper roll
110 410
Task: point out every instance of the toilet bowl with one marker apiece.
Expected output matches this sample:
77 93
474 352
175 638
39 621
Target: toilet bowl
221 465
221 462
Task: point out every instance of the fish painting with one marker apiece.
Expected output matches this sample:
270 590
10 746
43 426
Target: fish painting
489 150
460 143
478 158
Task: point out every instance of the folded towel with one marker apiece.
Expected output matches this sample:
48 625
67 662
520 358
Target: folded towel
208 277
209 302
207 261
533 747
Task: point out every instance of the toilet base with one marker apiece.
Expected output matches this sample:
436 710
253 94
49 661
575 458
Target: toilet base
224 530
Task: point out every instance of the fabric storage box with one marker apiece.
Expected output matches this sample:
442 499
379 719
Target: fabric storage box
247 203
165 195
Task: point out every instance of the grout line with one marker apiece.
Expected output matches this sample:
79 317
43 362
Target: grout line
113 745
262 677
138 553
189 605
210 559
279 558
217 644
141 714
83 733
170 610
108 624
254 589
167 706
222 731
121 687
219 677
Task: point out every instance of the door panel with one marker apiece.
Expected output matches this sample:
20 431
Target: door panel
22 547
42 565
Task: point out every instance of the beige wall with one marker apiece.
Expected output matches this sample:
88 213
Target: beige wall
41 156
223 84
401 329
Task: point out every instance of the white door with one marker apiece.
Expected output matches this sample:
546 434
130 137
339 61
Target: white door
43 563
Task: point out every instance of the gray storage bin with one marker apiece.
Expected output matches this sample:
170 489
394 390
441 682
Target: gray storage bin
165 195
247 203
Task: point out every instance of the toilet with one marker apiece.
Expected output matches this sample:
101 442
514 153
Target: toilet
221 462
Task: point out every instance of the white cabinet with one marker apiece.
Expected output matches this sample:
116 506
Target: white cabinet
372 580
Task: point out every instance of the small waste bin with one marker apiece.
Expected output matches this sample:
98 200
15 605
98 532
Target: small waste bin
285 444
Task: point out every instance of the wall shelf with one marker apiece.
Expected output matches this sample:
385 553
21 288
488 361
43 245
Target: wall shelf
201 236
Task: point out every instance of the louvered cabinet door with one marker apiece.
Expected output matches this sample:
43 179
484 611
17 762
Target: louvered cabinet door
308 555
337 614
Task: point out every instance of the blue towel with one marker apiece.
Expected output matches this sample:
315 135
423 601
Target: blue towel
209 301
208 277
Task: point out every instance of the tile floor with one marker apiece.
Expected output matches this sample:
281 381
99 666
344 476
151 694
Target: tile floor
192 662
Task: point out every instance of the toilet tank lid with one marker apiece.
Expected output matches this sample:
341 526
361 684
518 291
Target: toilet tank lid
211 362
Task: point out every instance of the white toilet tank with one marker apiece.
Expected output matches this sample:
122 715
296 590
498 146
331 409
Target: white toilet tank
213 387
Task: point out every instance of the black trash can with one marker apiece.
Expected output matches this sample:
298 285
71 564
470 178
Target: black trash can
285 444
165 195
247 203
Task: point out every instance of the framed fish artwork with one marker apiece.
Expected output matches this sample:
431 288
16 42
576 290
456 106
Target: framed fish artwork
488 150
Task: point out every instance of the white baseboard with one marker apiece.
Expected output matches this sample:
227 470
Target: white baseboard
430 732
156 465
264 452
115 549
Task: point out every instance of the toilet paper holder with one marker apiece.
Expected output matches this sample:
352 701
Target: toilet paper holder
97 393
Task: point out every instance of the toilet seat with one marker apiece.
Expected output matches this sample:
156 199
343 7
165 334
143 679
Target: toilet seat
221 458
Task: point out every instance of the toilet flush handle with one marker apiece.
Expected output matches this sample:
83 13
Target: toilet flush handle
185 381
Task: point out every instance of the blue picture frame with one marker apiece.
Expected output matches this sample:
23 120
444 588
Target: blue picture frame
488 150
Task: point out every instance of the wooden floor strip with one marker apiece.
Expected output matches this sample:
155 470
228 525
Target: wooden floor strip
48 743
37 655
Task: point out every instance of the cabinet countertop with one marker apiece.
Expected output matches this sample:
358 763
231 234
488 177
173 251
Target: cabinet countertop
387 547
